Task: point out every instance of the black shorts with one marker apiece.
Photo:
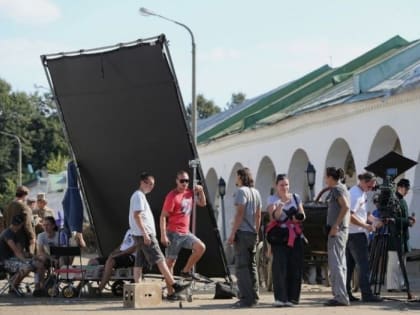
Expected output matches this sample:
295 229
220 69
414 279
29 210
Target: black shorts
123 261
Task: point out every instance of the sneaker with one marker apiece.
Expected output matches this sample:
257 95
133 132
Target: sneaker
288 304
16 292
335 303
174 297
97 292
352 298
39 293
241 304
180 287
278 303
189 275
372 298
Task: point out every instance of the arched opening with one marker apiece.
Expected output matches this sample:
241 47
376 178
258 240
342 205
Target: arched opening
212 188
264 180
297 174
340 155
386 139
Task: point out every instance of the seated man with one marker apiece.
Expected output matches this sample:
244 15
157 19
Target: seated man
12 257
122 257
41 212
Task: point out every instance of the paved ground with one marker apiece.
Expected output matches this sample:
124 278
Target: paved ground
311 303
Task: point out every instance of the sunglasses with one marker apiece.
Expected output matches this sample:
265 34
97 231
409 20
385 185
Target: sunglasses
183 181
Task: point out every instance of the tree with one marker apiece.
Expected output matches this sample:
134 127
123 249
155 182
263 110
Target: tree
205 108
34 119
236 99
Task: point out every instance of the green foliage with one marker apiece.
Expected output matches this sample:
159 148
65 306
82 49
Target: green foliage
237 99
57 163
205 108
34 119
8 190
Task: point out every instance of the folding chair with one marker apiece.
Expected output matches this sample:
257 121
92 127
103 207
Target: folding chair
62 273
8 285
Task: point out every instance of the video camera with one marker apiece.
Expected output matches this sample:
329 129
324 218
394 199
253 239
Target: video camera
386 199
388 168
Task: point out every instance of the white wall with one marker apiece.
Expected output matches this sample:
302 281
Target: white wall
314 133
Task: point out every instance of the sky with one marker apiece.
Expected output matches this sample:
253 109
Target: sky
241 45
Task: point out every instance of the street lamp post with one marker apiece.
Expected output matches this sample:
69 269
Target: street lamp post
222 193
19 155
310 176
147 12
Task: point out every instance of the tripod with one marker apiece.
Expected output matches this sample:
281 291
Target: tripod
378 257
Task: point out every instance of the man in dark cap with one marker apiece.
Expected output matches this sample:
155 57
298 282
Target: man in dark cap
26 235
399 237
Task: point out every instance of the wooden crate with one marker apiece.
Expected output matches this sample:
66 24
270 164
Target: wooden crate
137 295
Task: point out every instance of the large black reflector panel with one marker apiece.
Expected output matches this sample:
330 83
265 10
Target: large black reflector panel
390 162
123 114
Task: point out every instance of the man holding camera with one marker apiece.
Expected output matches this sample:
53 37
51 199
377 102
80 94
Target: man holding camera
357 244
399 237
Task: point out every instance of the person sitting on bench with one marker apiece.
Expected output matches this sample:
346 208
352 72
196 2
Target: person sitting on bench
50 237
12 256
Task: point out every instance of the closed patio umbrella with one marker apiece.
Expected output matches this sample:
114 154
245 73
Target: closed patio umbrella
72 205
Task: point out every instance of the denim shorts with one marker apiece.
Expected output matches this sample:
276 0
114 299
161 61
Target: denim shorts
14 264
179 241
152 253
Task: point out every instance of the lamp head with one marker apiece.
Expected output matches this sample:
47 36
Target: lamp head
145 12
310 174
222 187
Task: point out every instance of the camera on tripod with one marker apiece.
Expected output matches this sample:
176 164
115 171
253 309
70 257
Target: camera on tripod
388 168
386 200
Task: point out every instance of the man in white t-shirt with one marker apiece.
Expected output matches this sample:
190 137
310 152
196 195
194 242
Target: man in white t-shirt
357 244
142 225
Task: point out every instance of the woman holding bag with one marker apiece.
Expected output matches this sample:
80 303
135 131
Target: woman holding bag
286 214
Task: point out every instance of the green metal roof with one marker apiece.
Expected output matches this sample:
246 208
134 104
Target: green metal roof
314 83
262 103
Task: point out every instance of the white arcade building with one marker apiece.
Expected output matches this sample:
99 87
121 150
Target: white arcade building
345 117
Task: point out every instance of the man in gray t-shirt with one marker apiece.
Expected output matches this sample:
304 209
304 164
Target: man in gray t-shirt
338 217
244 237
250 198
334 206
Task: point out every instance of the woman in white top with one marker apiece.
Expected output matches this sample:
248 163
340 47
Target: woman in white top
286 213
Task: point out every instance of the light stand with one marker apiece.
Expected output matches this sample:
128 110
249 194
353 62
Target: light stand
310 176
147 12
194 164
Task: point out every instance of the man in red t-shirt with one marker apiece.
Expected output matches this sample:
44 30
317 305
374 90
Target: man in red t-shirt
175 223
